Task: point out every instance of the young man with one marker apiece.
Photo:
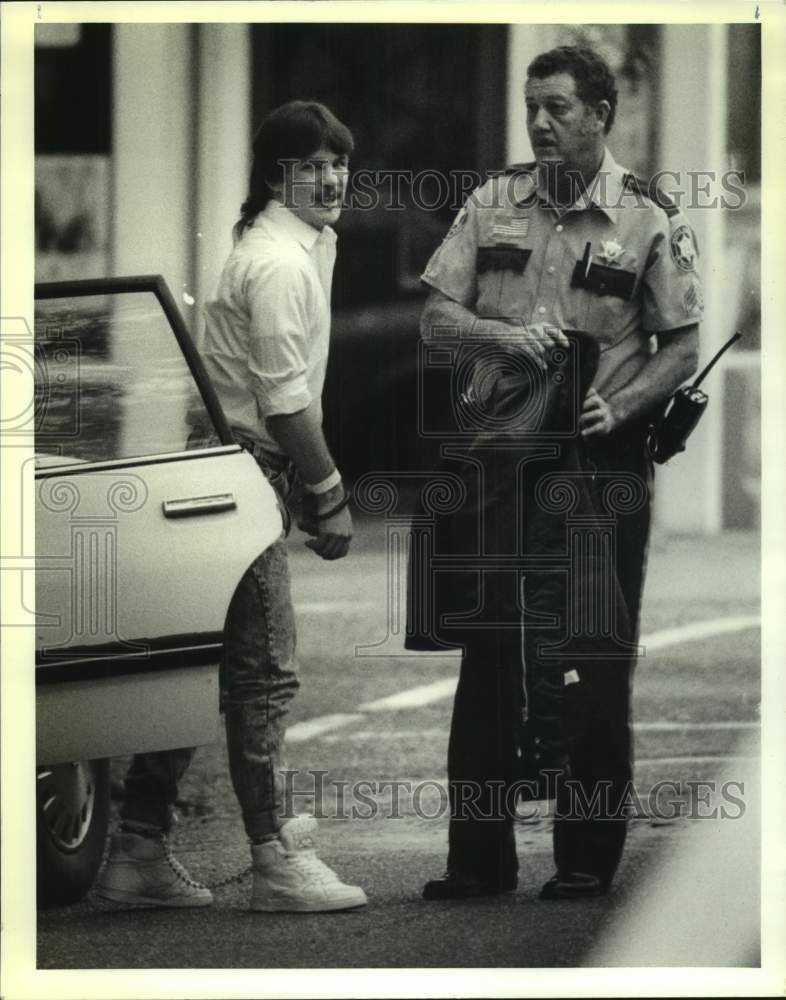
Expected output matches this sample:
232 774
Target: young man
570 242
265 346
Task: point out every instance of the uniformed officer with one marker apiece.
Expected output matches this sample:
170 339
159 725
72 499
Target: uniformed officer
569 242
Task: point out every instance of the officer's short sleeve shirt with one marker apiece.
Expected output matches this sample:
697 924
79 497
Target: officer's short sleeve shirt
618 264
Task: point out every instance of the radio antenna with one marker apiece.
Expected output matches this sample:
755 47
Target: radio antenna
737 336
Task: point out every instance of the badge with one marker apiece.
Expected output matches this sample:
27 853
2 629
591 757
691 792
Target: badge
683 249
610 250
458 223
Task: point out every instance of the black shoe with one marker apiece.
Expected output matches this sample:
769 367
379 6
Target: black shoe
573 885
455 885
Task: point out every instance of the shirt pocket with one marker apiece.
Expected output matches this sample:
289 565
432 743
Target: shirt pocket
612 293
496 265
606 279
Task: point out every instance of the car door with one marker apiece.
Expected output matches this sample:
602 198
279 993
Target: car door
147 515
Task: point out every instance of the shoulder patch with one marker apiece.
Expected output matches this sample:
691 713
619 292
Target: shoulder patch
458 223
683 248
651 191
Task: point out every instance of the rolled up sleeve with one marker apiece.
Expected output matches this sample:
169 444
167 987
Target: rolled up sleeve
277 292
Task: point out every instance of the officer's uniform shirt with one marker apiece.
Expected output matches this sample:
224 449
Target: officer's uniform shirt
267 329
512 254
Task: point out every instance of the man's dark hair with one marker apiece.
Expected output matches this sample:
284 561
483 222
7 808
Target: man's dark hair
290 132
594 79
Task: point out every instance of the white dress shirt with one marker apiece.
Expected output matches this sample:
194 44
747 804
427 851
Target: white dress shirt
267 330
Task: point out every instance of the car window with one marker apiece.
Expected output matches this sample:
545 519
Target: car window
112 382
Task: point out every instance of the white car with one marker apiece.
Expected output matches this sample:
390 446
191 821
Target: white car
147 515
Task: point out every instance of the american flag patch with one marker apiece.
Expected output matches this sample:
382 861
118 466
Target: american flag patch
517 227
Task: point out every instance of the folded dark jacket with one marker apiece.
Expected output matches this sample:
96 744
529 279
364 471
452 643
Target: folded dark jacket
505 551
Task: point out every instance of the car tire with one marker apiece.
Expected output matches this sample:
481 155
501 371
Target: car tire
72 817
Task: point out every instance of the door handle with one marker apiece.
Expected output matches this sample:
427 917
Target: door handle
190 506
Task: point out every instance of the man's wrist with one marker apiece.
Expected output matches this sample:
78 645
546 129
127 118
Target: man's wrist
316 506
327 500
325 485
618 409
326 511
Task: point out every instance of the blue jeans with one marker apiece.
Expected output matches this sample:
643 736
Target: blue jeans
258 680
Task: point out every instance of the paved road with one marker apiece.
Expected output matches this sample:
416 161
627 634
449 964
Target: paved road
696 705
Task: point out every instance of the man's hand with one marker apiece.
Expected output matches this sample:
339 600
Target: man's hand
332 537
441 312
544 337
597 416
675 360
540 339
536 339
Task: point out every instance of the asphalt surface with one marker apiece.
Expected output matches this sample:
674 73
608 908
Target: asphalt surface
696 703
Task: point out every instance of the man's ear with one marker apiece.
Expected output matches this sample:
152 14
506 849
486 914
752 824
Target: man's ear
276 188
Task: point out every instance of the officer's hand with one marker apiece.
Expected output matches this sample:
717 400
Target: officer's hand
536 339
332 537
539 339
597 416
547 335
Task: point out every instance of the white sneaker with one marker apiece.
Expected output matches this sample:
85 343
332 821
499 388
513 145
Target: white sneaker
143 871
289 876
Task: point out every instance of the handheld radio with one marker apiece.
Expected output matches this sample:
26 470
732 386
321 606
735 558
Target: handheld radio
668 435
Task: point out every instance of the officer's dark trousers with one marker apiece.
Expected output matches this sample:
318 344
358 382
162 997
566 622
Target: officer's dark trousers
486 729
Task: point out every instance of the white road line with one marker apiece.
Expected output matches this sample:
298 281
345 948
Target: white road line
363 735
414 697
698 630
321 724
426 694
694 760
330 607
670 727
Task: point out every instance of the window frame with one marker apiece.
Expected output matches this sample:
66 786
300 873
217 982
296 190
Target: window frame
155 284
